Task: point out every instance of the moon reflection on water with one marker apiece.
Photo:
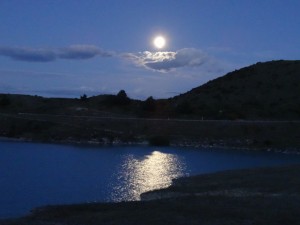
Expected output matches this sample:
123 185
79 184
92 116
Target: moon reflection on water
138 175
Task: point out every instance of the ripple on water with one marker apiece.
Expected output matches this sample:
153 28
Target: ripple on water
138 175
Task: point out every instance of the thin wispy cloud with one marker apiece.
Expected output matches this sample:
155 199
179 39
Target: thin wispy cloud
82 52
28 54
73 52
167 61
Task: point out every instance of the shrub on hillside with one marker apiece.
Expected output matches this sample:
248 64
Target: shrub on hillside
159 141
4 101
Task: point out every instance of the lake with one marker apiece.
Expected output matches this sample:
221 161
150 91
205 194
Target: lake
35 174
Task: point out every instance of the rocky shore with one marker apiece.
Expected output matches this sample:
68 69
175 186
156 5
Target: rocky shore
238 145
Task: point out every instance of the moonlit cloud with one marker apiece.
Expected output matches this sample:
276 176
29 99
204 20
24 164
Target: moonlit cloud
166 61
72 52
156 61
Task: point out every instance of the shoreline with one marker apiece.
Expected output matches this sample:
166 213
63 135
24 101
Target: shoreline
177 144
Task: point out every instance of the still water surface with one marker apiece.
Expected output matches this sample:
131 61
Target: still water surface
34 174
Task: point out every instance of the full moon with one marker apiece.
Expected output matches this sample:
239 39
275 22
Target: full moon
159 42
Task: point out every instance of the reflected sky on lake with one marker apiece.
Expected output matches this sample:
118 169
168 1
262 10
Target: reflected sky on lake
138 175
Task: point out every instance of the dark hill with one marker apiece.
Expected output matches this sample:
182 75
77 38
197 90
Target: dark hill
266 91
269 90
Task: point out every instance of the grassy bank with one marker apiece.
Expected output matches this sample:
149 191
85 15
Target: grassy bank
108 129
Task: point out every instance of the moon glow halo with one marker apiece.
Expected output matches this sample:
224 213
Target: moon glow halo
159 42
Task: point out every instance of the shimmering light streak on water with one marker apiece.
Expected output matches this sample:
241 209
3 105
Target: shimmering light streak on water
138 175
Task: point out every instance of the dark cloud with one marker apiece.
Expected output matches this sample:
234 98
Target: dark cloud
47 55
82 52
28 54
166 61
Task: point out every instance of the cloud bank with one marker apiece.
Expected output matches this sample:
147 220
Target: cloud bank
154 61
166 61
73 52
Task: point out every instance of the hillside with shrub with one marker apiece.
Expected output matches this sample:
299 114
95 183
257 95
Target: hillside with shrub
267 91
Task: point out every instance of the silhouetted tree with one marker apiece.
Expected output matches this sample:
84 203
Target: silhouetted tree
5 100
159 141
83 97
149 104
122 94
122 98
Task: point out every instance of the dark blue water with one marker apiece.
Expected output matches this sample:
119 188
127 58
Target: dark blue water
33 174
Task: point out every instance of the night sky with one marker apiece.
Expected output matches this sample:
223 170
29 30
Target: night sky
65 48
